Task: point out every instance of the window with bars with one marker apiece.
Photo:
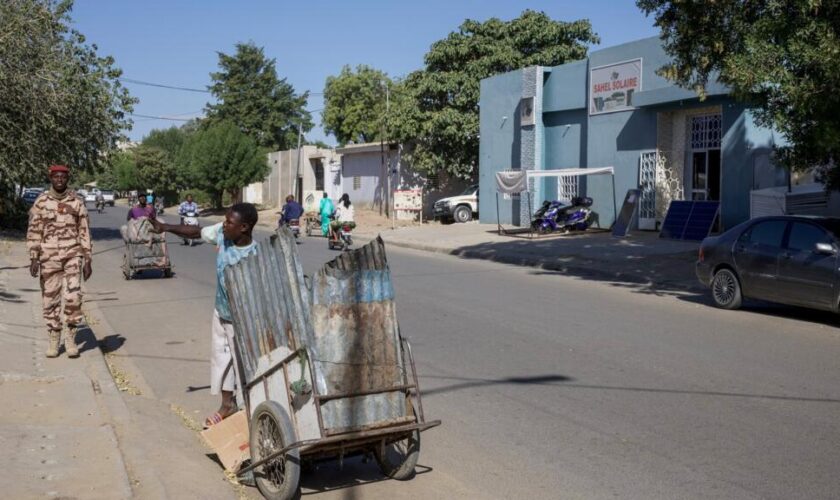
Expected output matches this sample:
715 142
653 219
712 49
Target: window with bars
705 132
357 183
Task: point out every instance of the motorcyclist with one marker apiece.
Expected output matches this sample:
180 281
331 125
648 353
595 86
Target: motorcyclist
292 210
343 215
186 207
100 200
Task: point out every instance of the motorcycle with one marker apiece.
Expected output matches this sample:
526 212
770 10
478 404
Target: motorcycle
189 219
159 206
100 206
558 216
294 226
341 238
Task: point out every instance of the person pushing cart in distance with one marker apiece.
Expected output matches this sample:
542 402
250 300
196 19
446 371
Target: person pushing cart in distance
234 241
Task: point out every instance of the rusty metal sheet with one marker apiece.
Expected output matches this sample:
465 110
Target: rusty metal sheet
356 336
346 320
269 301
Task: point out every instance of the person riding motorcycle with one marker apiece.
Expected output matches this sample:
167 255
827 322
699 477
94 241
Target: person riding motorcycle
186 207
343 215
292 210
100 201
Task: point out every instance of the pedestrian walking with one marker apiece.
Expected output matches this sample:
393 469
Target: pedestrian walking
58 240
326 209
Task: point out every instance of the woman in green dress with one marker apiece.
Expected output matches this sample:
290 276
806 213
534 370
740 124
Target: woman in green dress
326 211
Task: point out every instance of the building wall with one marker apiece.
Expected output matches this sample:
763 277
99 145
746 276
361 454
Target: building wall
368 168
567 136
499 141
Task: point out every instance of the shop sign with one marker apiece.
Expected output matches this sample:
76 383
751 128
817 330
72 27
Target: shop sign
611 87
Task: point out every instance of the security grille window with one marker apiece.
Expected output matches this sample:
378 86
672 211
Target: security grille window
357 183
705 132
567 186
647 186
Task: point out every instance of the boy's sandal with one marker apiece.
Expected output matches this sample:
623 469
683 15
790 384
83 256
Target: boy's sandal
213 419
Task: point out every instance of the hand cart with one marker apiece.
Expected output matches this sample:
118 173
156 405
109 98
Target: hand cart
312 223
325 370
144 250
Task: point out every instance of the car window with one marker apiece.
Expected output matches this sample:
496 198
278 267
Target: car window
806 236
768 234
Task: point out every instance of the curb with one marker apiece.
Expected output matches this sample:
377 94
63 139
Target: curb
119 416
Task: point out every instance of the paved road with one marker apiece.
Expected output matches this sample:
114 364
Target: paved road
548 386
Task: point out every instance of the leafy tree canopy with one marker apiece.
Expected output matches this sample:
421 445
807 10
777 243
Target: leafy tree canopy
60 101
779 55
250 95
437 107
155 170
220 158
355 104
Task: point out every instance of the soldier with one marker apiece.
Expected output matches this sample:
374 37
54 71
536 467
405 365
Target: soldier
58 240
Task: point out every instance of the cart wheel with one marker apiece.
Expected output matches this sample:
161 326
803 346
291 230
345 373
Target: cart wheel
398 459
167 273
309 230
271 430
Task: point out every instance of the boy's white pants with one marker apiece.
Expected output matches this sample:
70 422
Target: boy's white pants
223 377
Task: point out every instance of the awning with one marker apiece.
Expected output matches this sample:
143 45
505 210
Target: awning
516 181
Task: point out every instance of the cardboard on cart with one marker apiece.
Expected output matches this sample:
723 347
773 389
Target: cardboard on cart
229 439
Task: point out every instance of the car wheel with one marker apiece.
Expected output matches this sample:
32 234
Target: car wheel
462 214
726 290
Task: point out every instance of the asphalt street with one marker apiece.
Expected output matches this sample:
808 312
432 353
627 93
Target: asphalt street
548 386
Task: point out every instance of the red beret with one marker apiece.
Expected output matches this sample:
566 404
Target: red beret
59 168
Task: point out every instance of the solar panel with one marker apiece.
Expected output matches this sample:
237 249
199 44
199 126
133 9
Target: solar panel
689 220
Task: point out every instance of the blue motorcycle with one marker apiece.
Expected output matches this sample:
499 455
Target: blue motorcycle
558 216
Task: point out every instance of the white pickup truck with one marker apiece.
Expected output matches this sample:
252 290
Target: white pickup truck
461 208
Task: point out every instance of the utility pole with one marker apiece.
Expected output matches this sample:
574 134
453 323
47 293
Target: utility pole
298 194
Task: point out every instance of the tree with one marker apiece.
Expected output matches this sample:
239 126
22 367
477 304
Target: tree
780 56
222 159
124 169
251 96
435 110
60 102
155 170
170 141
354 107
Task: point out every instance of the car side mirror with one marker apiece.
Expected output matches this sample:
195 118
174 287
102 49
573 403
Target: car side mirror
826 249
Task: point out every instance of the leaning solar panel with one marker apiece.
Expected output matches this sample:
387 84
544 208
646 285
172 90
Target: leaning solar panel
689 220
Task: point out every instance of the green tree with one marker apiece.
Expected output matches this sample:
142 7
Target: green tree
250 95
168 140
436 109
222 159
354 104
155 170
780 56
60 101
124 170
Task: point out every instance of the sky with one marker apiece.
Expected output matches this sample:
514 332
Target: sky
176 42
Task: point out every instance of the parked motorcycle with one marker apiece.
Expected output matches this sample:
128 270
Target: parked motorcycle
189 219
558 216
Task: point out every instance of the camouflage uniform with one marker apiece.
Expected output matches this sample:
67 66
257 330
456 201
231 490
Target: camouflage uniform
59 238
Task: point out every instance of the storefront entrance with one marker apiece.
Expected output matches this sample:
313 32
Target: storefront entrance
705 159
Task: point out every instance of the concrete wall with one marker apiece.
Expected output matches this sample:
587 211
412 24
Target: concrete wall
499 141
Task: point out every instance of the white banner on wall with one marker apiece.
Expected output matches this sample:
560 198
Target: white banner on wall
611 87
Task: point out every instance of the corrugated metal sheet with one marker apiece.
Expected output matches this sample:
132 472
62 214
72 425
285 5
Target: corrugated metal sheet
357 337
269 301
347 320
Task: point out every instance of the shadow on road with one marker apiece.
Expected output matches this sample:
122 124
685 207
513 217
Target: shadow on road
751 306
105 233
559 381
111 343
469 383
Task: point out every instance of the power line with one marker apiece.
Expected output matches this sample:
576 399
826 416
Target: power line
176 87
151 117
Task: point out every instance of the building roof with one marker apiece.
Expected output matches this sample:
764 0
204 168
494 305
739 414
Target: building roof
367 147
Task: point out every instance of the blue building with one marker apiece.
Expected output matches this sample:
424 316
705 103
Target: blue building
612 109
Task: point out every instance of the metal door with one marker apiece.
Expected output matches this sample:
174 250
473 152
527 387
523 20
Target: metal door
647 186
704 157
